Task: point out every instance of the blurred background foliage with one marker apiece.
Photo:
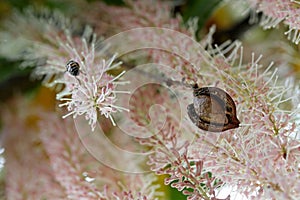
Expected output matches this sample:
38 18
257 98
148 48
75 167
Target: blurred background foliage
230 25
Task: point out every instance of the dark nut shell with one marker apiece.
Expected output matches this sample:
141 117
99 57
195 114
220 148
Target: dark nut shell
213 109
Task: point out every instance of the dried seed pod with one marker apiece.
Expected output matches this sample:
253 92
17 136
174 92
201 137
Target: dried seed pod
213 109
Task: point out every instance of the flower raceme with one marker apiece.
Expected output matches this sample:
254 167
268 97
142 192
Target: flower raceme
261 157
276 11
91 90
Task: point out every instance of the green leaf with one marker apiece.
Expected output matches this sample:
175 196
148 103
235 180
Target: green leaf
175 194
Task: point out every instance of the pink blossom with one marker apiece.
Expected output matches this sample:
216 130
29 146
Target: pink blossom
277 11
243 157
260 158
81 175
56 164
93 91
28 171
171 145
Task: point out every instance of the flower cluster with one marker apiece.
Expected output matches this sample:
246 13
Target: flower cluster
81 175
91 92
94 91
25 155
61 160
277 11
234 157
259 159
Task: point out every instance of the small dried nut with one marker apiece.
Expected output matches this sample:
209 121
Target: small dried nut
213 109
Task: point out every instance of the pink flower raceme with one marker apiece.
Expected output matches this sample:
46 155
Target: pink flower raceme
45 158
93 91
28 173
81 174
277 11
260 158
